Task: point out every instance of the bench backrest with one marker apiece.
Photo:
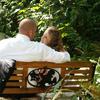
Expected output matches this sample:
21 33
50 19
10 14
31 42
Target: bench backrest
76 73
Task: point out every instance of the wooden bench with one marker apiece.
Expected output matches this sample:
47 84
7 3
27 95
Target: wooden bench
80 72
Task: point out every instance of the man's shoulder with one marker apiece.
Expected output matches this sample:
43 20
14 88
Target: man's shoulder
41 45
6 40
38 43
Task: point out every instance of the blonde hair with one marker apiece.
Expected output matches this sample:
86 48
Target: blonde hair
56 41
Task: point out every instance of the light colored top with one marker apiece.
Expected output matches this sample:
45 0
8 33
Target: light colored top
20 48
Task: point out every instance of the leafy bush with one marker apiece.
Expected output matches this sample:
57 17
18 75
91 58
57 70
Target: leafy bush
77 20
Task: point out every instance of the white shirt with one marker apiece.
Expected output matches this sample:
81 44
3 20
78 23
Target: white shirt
20 48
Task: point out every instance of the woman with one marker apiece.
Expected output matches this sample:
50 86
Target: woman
46 76
52 38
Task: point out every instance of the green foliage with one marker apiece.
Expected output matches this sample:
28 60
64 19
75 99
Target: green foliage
78 22
86 17
8 20
97 74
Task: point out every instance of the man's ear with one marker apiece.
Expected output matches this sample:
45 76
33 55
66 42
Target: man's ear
31 35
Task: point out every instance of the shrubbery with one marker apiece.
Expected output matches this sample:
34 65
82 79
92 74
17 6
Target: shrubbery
77 20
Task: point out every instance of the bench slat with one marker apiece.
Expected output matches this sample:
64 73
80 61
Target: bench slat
68 88
72 64
77 71
77 77
18 72
24 91
75 82
14 84
15 78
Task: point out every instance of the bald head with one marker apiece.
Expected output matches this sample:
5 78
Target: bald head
27 27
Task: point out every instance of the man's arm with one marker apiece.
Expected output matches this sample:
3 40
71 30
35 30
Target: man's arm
54 56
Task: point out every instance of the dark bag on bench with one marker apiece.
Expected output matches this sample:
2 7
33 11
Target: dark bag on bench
6 69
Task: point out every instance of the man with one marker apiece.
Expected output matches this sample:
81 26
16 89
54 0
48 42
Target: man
22 48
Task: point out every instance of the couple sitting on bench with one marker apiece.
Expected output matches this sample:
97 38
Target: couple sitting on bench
23 48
